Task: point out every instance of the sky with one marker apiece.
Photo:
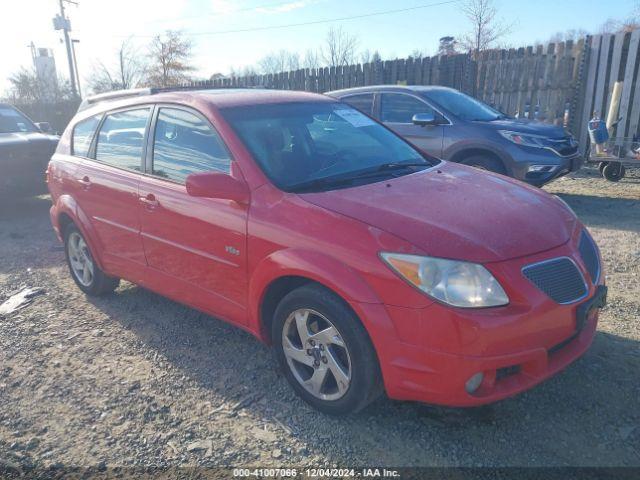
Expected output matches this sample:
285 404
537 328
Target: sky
219 42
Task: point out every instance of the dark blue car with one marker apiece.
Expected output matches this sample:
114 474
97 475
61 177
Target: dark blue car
448 124
25 150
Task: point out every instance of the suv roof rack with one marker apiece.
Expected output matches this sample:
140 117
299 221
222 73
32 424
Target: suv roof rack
139 92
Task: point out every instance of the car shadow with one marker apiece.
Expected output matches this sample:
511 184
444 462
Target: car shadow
26 235
605 212
556 423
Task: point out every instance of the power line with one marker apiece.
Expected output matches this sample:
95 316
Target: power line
314 22
225 12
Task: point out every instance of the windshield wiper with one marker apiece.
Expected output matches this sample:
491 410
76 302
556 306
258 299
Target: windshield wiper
349 177
400 165
315 183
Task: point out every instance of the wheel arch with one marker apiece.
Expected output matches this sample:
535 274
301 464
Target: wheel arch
461 155
68 211
284 271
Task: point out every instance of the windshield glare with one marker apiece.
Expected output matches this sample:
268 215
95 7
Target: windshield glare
12 121
463 106
298 143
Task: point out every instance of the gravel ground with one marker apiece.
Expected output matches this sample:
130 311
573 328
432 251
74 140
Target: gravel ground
134 379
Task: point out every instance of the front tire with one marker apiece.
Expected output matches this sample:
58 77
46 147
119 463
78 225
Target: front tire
84 270
483 162
325 352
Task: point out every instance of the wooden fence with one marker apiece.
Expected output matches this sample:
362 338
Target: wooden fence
612 59
537 82
561 83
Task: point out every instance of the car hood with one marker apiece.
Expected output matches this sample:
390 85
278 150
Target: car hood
528 126
453 211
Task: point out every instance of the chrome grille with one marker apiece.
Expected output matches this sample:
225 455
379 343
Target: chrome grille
559 278
589 256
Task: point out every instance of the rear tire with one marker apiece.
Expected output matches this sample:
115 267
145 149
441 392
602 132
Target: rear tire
484 162
82 266
316 334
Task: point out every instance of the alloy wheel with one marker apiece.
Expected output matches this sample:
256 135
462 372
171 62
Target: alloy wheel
316 354
80 259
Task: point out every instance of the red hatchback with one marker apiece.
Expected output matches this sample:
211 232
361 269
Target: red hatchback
367 265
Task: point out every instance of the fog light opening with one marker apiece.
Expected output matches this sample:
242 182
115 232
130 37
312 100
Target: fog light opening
542 168
474 383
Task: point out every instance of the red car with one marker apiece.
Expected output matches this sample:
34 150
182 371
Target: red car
369 266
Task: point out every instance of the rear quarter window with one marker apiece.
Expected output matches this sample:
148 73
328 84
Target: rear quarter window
362 102
82 136
121 139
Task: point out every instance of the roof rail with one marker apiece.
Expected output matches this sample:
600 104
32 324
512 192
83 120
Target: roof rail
115 95
138 92
181 88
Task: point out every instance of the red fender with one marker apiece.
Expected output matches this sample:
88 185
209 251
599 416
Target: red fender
313 265
67 204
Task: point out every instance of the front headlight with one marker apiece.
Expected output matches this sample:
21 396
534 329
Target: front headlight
538 141
461 284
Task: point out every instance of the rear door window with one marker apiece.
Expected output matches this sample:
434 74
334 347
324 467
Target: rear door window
121 139
400 108
363 102
83 135
184 143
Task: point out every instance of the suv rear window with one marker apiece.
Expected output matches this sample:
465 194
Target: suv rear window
121 139
363 102
83 134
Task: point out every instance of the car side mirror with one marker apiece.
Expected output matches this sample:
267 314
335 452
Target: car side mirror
217 185
424 119
44 127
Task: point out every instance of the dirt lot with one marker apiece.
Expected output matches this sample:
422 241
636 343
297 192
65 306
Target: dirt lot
135 379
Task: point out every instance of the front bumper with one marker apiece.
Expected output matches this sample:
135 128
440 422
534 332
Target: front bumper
525 163
431 353
443 382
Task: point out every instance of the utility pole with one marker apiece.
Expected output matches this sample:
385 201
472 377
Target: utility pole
75 62
61 22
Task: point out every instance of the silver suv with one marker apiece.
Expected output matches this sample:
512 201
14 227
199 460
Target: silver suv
448 124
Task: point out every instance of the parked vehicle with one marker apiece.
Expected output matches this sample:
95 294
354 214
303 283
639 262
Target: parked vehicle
25 150
367 264
448 124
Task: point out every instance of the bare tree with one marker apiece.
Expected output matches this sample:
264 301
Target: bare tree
311 59
340 48
367 56
247 71
613 25
169 59
572 34
281 61
486 28
127 71
26 87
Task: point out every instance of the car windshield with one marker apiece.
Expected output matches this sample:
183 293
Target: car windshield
12 121
464 106
316 146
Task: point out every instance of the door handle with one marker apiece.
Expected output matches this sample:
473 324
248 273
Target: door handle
85 182
149 201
